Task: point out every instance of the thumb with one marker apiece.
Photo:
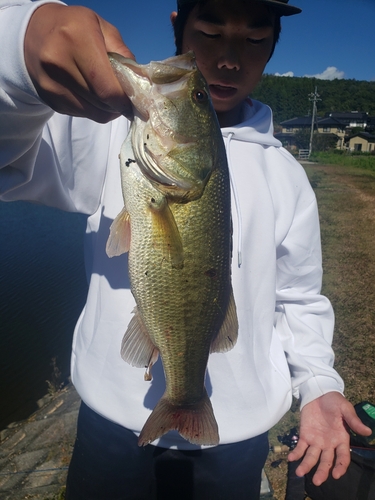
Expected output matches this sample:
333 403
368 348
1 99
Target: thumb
114 43
113 40
355 423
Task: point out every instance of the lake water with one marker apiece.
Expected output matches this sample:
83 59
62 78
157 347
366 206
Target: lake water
42 291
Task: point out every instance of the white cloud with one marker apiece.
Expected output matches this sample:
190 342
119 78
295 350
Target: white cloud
288 73
331 73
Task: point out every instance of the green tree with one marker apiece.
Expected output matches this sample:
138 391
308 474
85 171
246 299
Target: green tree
289 97
324 142
302 138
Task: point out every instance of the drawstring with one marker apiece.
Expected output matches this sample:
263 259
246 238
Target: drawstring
236 200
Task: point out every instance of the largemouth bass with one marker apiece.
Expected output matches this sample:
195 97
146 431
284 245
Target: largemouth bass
176 225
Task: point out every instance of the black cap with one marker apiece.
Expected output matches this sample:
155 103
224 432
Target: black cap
280 6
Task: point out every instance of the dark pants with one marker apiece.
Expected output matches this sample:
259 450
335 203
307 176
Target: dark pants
108 464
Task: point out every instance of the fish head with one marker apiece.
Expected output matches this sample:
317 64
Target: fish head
175 133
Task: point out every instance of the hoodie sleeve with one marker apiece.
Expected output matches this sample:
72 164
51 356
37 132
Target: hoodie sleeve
304 317
44 157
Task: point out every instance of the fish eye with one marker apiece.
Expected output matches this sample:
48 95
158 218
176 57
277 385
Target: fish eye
200 95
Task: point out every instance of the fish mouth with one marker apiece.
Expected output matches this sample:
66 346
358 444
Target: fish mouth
222 91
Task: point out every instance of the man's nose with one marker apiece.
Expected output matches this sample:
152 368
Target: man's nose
229 59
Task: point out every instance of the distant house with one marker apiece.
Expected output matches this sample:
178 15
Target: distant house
331 125
290 128
296 124
287 139
337 124
362 141
371 125
350 119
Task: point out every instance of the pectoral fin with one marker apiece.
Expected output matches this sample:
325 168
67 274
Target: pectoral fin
228 333
137 348
166 235
119 235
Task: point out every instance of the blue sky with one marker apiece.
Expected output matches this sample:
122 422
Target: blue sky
330 39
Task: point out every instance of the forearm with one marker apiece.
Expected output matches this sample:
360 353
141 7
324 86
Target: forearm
304 318
307 327
23 114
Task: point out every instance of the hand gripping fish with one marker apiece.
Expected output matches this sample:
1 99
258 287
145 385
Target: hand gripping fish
176 226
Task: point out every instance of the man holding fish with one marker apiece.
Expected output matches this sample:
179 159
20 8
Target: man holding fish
236 341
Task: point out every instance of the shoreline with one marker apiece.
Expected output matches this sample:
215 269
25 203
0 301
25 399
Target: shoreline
35 452
40 404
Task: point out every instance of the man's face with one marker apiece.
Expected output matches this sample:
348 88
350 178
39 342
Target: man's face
232 42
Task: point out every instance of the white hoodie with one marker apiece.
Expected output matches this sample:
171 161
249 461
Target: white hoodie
286 326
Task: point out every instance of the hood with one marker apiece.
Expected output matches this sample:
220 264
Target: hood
257 126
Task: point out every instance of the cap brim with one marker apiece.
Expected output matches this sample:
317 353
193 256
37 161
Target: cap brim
283 9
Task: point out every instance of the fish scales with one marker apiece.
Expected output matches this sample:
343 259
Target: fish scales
175 303
179 257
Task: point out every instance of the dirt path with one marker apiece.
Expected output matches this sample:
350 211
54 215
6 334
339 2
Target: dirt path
346 199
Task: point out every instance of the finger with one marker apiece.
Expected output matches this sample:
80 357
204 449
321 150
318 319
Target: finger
70 97
68 63
74 105
310 459
96 80
101 84
324 467
342 461
115 43
298 451
113 39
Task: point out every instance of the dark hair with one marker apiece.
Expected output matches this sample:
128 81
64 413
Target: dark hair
182 17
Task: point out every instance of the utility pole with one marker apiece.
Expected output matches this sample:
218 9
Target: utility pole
314 97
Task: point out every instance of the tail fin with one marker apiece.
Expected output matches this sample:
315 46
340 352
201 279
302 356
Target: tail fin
196 423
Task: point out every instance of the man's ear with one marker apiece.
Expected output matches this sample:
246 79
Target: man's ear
172 17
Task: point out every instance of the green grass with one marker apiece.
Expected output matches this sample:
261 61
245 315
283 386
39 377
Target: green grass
337 157
59 496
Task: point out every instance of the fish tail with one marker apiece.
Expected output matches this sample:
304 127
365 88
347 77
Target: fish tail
196 423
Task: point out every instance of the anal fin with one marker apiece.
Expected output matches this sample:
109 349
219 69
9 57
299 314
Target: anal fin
226 339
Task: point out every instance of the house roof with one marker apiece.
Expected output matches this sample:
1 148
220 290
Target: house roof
305 121
301 121
284 135
349 116
364 135
329 121
333 119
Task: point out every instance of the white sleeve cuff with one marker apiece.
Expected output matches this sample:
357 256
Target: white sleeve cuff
315 387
